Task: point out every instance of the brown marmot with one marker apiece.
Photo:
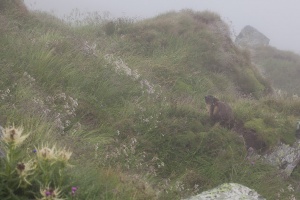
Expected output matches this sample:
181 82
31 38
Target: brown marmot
219 111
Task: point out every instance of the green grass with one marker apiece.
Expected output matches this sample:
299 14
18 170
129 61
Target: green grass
127 98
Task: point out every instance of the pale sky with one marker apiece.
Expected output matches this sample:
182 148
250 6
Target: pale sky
277 19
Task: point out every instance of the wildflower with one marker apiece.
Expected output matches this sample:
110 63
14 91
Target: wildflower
24 170
13 136
64 155
46 153
74 189
49 193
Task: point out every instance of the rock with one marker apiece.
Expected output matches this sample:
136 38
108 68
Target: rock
284 157
251 37
228 191
298 127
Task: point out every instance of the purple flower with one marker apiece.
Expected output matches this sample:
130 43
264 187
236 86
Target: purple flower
48 193
74 189
34 150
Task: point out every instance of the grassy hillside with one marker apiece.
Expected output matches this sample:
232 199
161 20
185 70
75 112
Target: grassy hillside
282 68
127 98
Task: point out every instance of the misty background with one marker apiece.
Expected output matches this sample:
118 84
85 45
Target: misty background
276 19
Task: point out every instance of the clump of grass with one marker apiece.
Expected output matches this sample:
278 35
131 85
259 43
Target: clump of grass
270 125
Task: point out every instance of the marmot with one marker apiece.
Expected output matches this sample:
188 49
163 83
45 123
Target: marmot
219 111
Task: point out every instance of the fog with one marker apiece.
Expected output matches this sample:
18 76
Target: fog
277 19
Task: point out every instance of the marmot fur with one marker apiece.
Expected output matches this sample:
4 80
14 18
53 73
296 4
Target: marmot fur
219 111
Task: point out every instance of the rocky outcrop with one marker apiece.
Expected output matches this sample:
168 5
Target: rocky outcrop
251 37
228 191
284 157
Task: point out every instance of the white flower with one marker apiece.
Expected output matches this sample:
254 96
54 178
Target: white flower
13 136
24 170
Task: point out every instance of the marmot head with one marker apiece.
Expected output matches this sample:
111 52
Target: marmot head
211 100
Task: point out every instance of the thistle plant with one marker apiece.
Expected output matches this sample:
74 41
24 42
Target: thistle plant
25 170
13 173
49 193
51 162
13 137
39 176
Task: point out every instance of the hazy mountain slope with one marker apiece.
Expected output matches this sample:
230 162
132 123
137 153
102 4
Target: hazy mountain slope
189 46
127 97
282 68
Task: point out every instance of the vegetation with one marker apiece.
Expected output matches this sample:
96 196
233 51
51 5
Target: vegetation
126 98
280 67
45 172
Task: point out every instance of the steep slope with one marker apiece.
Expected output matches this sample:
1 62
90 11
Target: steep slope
188 47
127 97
